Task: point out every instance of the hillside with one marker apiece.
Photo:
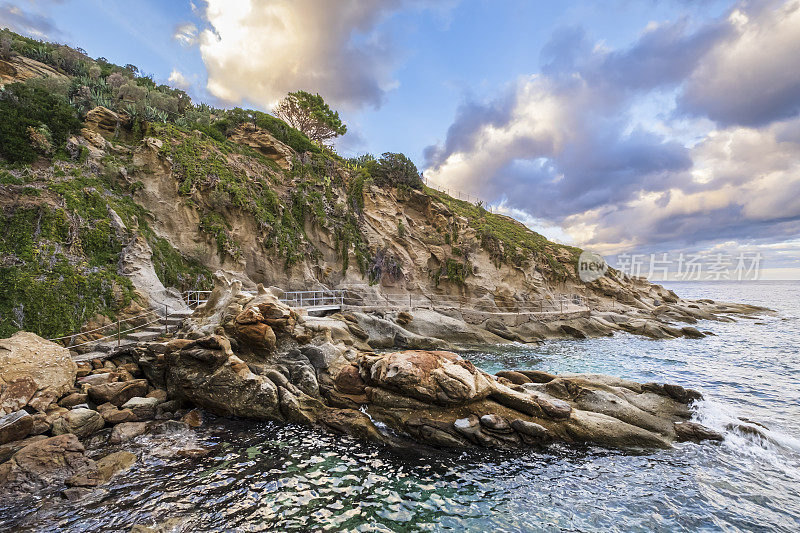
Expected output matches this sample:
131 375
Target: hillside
110 180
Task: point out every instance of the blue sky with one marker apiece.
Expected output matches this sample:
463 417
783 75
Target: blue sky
619 125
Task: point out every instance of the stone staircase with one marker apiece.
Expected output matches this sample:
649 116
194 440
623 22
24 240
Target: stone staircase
105 348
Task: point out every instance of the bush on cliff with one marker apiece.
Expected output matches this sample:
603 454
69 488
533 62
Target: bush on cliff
29 116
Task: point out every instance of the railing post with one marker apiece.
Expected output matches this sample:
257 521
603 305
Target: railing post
118 330
166 316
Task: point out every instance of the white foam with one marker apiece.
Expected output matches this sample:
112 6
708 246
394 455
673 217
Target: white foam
747 439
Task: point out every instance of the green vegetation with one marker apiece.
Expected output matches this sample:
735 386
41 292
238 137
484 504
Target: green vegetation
58 265
391 170
310 114
505 239
34 122
452 270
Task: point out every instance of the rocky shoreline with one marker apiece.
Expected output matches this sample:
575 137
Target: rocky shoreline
253 357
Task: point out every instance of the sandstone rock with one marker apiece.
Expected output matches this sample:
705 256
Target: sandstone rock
127 431
435 377
10 448
159 394
262 141
349 381
15 426
41 424
119 416
16 394
193 419
71 400
45 465
27 360
119 392
105 122
101 378
516 378
692 431
143 408
495 422
79 421
531 430
114 463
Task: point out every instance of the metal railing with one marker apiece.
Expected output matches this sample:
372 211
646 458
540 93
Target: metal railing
297 299
121 326
344 298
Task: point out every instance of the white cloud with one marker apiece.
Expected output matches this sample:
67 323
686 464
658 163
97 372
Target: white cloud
258 51
185 34
579 146
180 81
751 77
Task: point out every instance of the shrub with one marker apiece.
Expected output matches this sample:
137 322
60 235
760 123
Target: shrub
396 170
23 107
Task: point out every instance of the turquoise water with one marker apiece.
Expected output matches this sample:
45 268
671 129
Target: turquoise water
260 477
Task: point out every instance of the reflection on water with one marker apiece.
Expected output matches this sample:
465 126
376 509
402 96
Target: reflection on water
265 476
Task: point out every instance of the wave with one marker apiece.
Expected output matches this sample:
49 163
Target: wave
748 438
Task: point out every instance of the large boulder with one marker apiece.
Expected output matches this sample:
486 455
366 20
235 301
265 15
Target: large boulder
119 392
46 465
15 426
436 377
33 372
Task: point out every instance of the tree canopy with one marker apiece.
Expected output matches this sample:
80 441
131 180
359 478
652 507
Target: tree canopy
310 114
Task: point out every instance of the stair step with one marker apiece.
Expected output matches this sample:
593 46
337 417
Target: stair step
182 313
145 335
88 356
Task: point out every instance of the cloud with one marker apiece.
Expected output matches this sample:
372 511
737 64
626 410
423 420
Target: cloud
751 77
28 18
576 144
185 34
180 81
258 51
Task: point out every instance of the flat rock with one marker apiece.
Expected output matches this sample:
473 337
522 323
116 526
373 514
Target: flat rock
118 393
79 421
127 431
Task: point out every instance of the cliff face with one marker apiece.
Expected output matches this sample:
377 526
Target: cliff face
322 223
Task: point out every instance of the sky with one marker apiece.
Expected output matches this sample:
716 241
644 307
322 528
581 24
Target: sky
647 131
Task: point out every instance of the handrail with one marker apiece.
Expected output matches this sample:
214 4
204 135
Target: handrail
101 327
344 297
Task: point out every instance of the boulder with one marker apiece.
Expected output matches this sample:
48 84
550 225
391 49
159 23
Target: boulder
71 400
114 463
118 416
102 377
193 419
349 381
79 421
28 361
8 449
143 408
692 431
127 431
436 377
46 465
118 392
15 426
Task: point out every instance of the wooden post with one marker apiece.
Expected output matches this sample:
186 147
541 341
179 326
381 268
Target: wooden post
118 330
